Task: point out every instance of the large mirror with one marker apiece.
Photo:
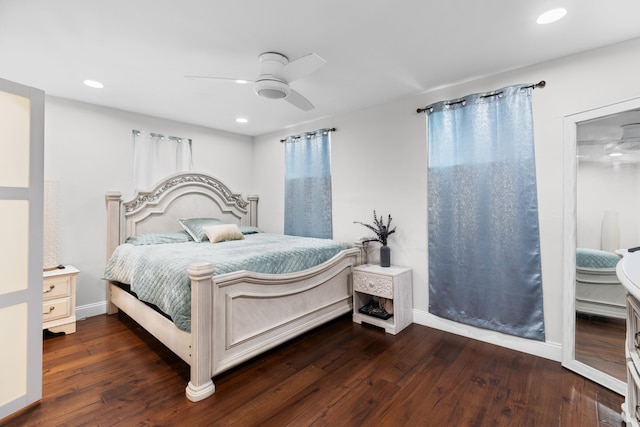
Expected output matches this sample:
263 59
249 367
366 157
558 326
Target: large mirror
602 220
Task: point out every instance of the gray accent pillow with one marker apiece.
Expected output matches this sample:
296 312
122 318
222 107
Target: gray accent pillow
195 226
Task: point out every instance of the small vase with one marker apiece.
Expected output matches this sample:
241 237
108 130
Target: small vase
385 256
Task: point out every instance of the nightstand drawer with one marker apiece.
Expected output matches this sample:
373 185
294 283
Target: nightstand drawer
59 299
373 284
56 287
57 309
632 402
633 330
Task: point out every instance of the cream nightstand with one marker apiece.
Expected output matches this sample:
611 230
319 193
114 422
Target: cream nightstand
59 300
393 283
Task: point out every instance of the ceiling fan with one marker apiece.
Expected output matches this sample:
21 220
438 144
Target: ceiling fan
630 137
276 72
628 142
623 149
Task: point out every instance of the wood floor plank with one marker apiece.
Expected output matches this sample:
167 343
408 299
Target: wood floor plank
578 402
113 373
600 343
607 411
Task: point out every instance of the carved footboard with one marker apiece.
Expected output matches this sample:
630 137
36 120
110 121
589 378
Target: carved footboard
254 312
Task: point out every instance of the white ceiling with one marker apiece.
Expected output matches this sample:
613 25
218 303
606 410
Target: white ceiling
376 50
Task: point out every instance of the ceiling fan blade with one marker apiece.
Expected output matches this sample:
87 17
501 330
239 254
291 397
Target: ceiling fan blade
297 100
300 67
220 78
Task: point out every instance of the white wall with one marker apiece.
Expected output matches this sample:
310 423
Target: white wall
88 150
603 187
379 162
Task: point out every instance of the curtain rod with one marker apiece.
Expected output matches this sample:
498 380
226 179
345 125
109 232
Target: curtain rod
541 84
161 136
325 130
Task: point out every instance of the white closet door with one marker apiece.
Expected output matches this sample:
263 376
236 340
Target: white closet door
21 200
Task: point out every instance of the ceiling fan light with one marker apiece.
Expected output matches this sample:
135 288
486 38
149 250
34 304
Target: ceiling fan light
271 93
272 89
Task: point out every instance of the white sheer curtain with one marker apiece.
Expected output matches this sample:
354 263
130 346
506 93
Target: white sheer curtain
157 156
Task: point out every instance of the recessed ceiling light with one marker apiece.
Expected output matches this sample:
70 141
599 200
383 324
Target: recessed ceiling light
615 154
94 84
552 15
242 82
242 120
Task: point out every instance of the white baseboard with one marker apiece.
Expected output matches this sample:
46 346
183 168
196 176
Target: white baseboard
89 310
547 350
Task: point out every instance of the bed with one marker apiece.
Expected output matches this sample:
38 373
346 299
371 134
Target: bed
236 315
598 290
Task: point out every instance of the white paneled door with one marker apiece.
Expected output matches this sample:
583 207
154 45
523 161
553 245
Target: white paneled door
21 200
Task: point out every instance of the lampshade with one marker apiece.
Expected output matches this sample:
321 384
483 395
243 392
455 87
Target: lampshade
51 226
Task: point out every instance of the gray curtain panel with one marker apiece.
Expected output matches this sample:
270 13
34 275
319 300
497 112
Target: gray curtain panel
484 240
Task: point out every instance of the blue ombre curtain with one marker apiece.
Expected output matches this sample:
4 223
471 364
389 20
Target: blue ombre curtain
307 197
484 240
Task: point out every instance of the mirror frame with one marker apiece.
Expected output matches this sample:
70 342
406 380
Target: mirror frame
570 234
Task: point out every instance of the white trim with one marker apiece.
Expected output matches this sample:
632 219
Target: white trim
596 376
24 385
547 350
570 123
90 310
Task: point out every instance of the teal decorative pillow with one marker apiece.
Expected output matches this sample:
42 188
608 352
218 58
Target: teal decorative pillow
160 238
195 226
248 229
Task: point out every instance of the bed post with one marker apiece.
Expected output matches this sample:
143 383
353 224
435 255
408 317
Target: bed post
253 210
200 385
114 227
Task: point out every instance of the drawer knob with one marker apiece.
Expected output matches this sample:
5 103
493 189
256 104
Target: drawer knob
371 284
51 308
51 287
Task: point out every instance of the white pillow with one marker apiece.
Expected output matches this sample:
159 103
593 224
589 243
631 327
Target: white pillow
220 233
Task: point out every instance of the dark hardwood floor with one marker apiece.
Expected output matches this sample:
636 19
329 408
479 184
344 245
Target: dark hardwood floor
112 373
600 343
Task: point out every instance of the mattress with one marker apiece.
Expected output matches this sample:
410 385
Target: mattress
157 273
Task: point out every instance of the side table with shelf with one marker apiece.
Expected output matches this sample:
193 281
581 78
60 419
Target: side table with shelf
393 283
59 300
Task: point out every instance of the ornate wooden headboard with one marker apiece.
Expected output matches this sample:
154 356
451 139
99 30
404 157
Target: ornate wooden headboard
184 195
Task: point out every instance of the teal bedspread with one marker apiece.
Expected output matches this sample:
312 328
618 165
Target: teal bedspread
596 258
158 273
